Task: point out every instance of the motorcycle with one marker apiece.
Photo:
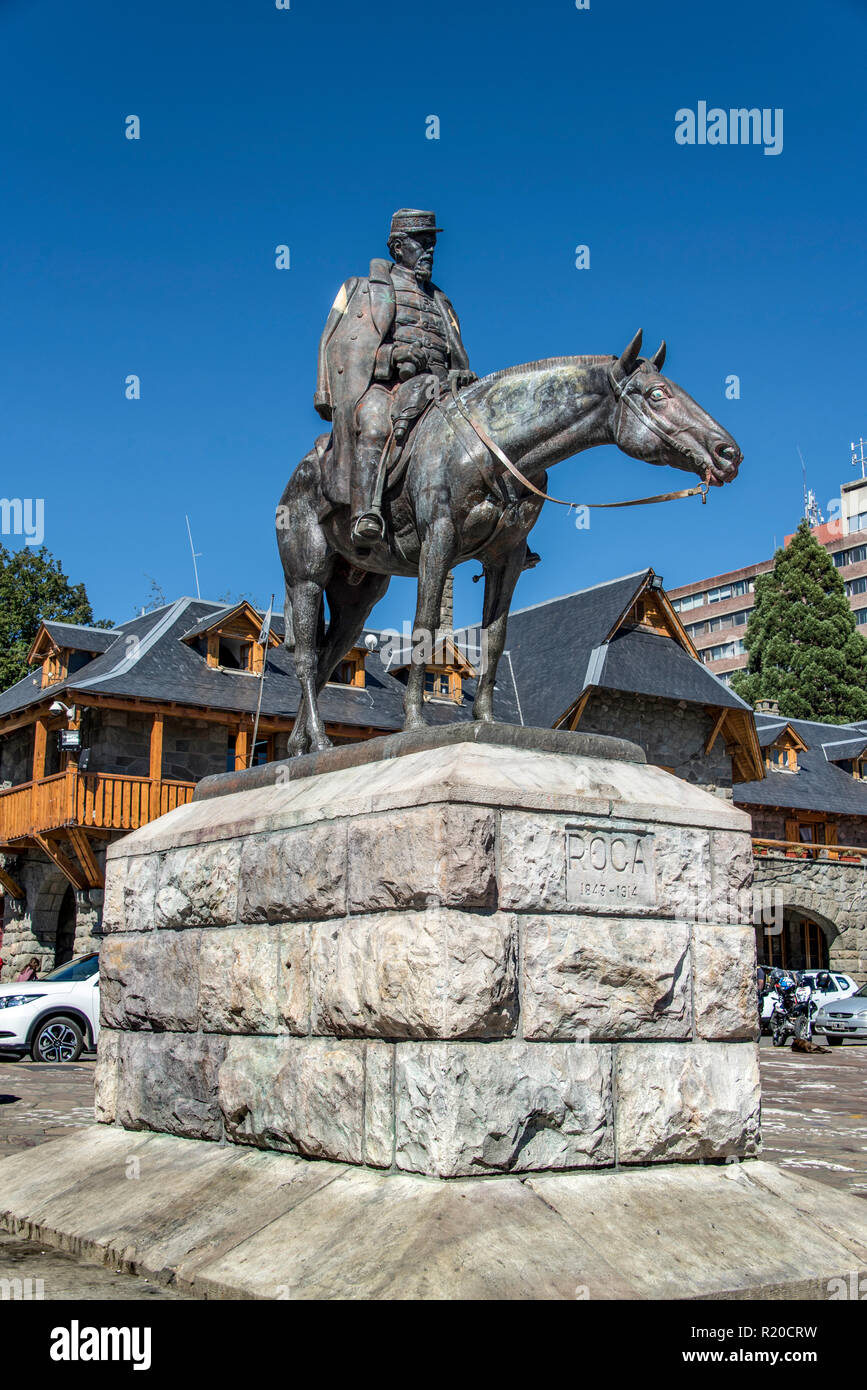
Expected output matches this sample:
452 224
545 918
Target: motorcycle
793 1011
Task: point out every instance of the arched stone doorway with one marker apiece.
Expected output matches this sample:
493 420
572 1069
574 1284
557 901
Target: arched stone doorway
64 944
806 941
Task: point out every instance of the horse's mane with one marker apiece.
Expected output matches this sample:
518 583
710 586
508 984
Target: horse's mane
586 361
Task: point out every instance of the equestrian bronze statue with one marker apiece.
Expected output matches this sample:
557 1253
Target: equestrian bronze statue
427 466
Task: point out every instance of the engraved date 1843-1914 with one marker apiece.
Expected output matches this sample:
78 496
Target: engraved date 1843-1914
607 866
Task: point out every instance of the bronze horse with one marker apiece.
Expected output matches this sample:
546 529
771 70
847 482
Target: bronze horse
456 502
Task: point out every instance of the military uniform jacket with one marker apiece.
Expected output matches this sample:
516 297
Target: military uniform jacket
353 353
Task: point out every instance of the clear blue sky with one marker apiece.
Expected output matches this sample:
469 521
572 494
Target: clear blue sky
307 127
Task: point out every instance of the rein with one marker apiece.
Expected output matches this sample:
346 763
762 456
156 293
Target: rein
619 391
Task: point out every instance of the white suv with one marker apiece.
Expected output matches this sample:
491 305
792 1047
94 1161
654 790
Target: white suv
56 1018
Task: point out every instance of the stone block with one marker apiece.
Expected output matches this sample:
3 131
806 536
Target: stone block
198 885
379 1104
732 871
423 856
435 974
593 979
150 981
113 914
681 1102
239 974
293 875
293 979
552 863
476 1108
168 1082
130 891
301 1096
106 1077
725 982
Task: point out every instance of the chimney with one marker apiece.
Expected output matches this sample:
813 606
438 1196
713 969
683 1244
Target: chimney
767 707
447 607
446 624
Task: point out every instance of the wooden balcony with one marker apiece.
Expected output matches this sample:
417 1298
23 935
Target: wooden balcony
92 801
73 805
797 849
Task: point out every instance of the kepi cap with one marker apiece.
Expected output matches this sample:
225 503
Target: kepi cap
413 220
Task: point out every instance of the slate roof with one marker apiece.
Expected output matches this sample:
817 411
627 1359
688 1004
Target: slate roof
163 668
846 749
770 732
80 638
560 648
818 785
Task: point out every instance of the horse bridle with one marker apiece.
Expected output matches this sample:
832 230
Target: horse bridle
623 398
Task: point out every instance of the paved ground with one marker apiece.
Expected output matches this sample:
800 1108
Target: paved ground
814 1113
814 1122
38 1103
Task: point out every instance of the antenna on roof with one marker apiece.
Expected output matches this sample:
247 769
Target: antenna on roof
858 456
196 555
811 506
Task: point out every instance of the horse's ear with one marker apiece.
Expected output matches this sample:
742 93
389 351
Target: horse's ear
629 358
658 357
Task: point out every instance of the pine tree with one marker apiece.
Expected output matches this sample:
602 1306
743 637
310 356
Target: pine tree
804 647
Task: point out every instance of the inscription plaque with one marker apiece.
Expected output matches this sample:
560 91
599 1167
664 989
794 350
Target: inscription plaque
610 867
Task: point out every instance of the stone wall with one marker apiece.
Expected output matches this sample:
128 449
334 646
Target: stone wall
828 892
16 757
453 963
119 741
771 825
673 734
30 924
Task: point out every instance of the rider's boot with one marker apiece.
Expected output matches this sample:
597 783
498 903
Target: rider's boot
368 526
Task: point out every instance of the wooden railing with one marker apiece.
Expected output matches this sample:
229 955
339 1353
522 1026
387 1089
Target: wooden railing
795 849
98 801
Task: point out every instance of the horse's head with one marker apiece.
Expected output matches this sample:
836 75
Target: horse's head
655 420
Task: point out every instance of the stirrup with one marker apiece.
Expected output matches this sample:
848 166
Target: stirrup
367 528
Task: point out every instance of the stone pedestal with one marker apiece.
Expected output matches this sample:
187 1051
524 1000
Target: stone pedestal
475 951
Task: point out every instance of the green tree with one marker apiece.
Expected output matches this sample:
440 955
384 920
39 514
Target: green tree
33 588
804 648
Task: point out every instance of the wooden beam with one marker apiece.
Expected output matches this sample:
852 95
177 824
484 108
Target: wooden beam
156 748
85 856
40 745
715 731
10 885
242 749
66 867
573 719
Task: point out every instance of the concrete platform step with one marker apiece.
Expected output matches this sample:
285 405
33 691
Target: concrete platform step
226 1222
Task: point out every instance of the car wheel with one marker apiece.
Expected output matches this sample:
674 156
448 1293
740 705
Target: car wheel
833 1042
57 1040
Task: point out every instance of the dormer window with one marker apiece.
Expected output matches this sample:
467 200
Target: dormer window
781 753
233 654
229 639
783 759
350 671
442 684
55 666
446 667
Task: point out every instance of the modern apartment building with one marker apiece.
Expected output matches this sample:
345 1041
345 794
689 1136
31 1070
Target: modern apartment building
715 611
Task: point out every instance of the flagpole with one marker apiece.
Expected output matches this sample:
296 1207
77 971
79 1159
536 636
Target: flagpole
263 642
